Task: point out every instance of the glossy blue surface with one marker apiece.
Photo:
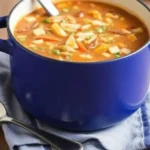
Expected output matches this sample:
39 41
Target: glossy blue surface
83 96
78 96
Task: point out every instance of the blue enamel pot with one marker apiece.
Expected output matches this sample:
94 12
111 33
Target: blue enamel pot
78 96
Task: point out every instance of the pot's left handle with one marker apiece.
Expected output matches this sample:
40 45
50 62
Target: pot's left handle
5 45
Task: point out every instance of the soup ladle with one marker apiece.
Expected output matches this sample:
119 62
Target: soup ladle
57 142
49 7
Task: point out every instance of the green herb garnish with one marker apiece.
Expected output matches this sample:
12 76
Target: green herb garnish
104 27
56 52
65 10
65 20
48 32
22 38
110 40
42 48
88 31
88 38
46 20
63 48
117 55
35 48
100 30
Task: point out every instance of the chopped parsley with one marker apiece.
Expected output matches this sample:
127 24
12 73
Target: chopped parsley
99 30
88 37
42 48
22 39
65 20
117 55
104 27
35 48
110 40
48 32
65 10
63 48
46 20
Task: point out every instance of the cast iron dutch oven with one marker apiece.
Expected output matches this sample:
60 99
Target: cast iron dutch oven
73 95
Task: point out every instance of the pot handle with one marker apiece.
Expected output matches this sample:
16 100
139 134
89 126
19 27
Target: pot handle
5 45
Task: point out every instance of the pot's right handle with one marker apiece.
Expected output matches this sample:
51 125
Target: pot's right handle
5 45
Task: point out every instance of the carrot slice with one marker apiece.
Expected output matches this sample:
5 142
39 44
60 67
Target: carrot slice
82 47
47 38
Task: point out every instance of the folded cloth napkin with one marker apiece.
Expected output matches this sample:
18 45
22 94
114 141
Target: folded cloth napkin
131 134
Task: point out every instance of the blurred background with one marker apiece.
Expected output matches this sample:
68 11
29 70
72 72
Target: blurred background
5 7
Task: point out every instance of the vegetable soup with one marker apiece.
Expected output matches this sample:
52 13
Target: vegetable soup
83 32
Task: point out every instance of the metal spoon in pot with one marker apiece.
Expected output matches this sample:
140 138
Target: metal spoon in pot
49 7
57 142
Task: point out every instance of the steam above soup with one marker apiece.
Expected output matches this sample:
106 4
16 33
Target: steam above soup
83 32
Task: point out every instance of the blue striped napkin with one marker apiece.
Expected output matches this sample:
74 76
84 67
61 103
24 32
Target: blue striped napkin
131 134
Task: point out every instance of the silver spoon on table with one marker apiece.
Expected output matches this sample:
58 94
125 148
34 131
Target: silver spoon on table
49 7
57 142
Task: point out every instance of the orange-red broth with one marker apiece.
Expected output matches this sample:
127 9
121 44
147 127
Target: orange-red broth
83 32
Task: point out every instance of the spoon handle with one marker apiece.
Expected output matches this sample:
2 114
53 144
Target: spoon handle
57 142
49 6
